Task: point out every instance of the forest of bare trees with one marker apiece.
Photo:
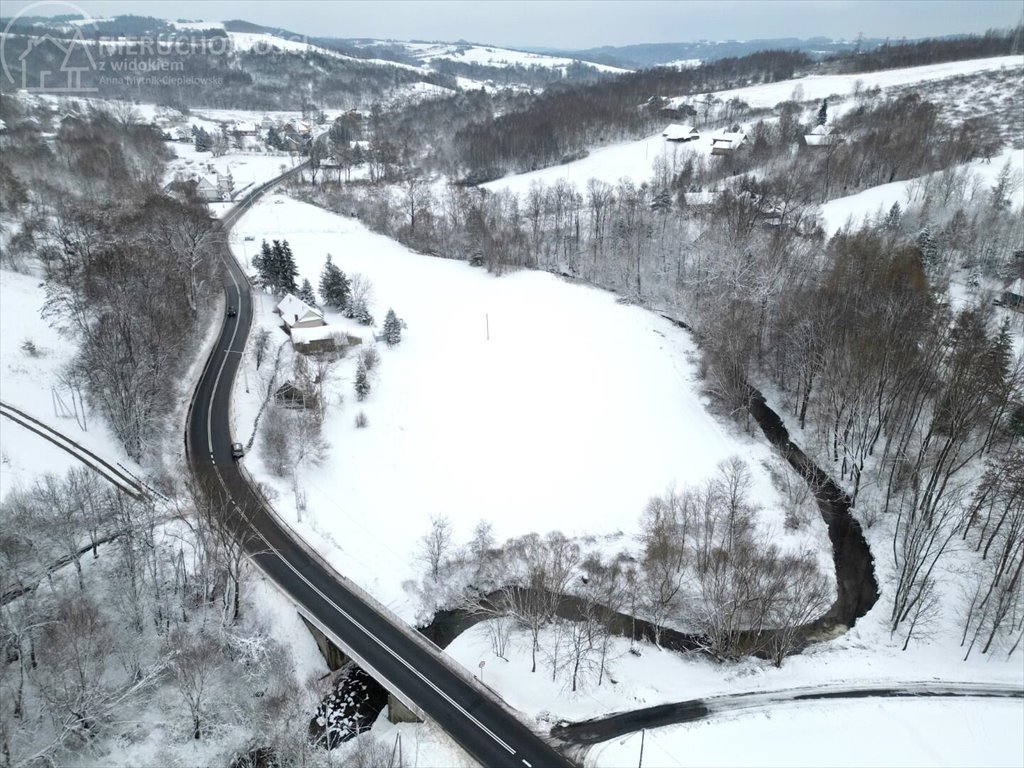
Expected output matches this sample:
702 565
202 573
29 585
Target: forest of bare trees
133 603
130 271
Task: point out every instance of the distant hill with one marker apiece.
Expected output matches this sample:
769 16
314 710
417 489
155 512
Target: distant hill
646 55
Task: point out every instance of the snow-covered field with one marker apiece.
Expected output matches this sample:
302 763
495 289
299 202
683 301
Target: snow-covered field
573 412
982 175
816 87
630 160
491 56
906 732
32 383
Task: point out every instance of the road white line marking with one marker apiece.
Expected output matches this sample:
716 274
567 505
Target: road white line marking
527 763
369 634
216 381
293 569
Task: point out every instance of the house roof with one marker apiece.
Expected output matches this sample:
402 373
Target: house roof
728 139
676 131
730 136
319 333
292 306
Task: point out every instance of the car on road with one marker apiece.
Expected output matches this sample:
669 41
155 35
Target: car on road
232 311
250 238
237 451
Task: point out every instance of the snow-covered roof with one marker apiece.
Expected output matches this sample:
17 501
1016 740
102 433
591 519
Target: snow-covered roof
820 136
292 306
245 127
728 139
319 333
675 132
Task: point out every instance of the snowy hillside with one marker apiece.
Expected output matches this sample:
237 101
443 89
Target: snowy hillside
491 56
817 87
33 361
979 176
635 160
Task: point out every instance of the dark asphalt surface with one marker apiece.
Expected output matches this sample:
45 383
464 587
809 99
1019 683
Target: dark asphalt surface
598 729
479 725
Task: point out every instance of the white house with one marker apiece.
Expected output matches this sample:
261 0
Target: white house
208 189
821 136
676 132
726 143
298 314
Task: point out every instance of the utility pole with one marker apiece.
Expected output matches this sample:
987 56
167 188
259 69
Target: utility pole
643 733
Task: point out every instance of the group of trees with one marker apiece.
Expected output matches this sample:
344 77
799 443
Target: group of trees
275 267
110 603
704 571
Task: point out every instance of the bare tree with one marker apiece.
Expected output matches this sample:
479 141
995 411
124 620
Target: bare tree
436 544
193 656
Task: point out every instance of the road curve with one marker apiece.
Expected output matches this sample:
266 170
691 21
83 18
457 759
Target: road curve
480 725
598 729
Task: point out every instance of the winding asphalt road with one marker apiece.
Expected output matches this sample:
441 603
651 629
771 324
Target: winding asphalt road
480 725
598 729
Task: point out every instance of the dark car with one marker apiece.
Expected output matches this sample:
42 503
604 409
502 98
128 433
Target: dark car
232 311
237 451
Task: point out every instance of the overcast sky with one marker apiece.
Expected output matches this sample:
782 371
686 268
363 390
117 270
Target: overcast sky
575 23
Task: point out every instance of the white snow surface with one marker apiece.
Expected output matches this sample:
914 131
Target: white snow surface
492 56
853 209
626 160
32 384
815 87
891 732
570 417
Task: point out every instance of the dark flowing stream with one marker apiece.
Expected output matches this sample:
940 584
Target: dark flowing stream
856 586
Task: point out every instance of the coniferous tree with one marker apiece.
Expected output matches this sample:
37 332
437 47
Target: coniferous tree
334 287
202 139
278 268
392 329
262 263
823 112
893 218
288 270
362 315
306 293
362 384
928 247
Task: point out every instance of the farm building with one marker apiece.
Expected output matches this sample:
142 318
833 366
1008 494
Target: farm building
726 143
676 132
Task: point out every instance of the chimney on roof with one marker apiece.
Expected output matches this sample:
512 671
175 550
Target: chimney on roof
296 318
